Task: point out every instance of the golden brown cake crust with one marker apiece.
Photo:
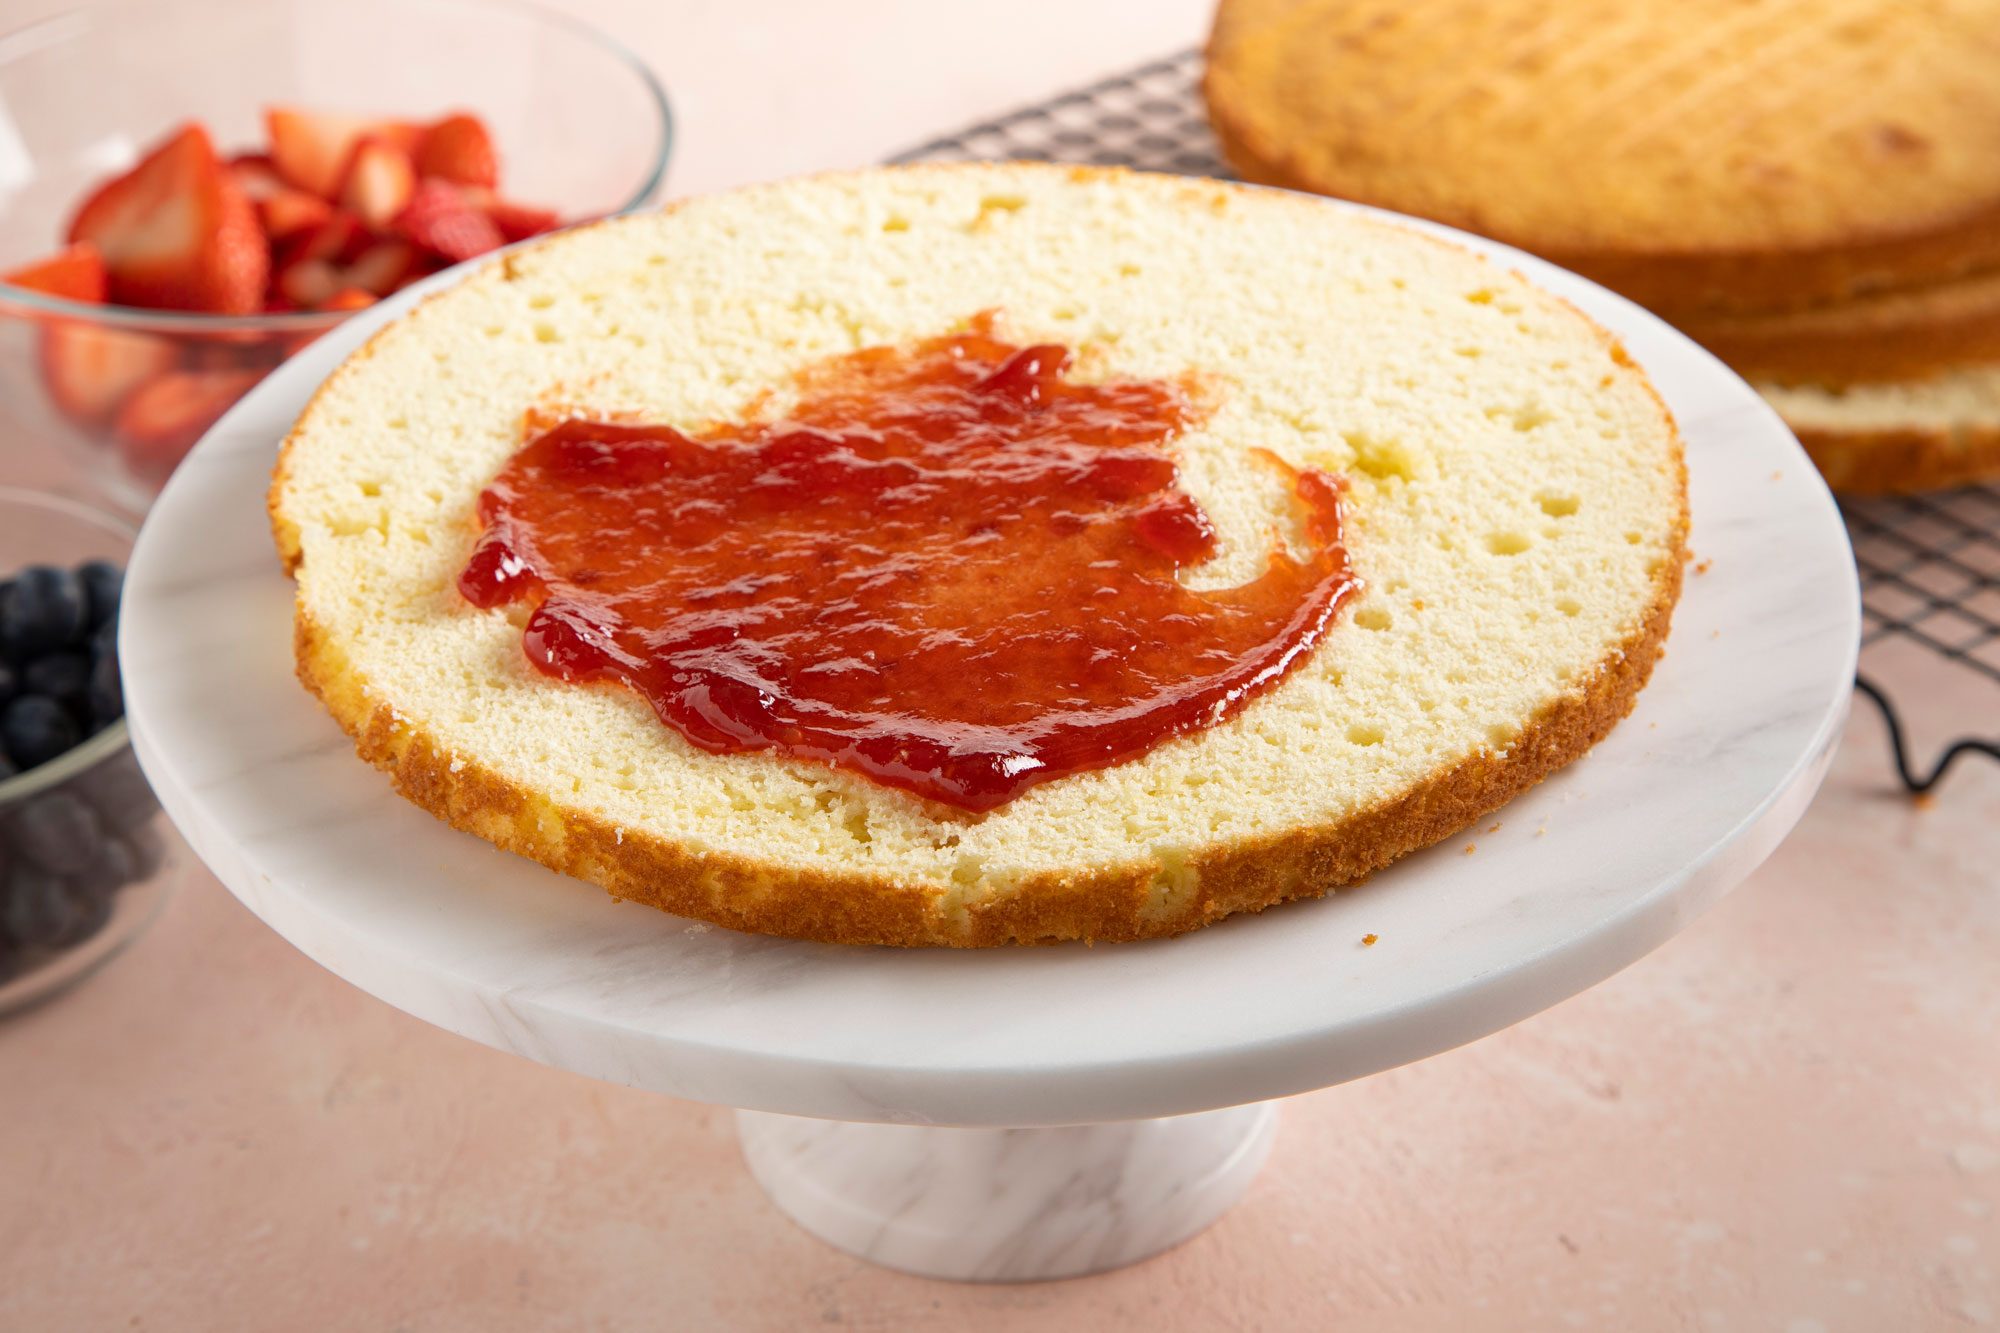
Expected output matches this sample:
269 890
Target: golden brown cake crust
1700 155
1108 904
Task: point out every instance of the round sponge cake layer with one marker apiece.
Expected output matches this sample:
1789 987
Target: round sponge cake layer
1516 511
1698 155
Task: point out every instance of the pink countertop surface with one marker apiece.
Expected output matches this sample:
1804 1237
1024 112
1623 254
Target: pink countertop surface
1788 1118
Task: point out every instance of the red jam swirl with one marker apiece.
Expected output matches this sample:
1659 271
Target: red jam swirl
948 569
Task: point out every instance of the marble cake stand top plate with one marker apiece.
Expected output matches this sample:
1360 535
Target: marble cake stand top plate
1585 874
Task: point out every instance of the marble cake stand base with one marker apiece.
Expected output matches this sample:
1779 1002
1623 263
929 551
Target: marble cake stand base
1008 1205
1573 881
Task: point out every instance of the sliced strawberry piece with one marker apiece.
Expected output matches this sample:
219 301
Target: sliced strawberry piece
90 370
76 274
348 298
378 183
161 422
307 282
258 176
517 222
383 267
423 268
311 148
226 349
444 222
177 233
460 150
339 238
294 343
290 212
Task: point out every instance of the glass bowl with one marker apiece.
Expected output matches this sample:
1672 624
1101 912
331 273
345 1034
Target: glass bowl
581 125
86 856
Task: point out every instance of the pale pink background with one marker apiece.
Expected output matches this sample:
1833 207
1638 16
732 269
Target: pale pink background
1787 1119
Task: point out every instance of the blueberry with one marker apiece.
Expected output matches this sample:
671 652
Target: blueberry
64 677
34 730
111 868
89 912
36 910
105 695
7 768
108 701
57 832
47 609
103 582
148 848
10 681
118 791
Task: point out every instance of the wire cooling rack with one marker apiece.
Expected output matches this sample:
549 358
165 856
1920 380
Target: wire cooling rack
1930 570
1150 117
1930 578
1930 565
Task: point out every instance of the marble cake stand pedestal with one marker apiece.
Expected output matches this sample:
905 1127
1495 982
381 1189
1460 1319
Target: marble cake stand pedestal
896 1101
1008 1204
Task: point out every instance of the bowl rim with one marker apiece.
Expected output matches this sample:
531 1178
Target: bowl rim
45 32
100 745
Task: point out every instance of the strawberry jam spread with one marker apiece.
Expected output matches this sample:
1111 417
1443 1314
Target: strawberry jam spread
947 568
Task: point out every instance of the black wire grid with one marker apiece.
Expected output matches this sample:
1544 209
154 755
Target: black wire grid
1930 565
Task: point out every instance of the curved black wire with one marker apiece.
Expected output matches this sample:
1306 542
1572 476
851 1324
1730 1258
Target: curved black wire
1918 786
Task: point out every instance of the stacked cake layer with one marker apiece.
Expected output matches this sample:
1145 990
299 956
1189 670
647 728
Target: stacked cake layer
1811 190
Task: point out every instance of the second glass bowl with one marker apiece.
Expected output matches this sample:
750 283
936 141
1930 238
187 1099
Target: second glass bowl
86 856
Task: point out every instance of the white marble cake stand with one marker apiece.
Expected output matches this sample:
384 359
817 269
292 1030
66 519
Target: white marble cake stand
1120 1044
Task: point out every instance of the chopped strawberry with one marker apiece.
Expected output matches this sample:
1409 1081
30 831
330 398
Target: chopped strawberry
257 175
311 148
77 274
294 343
90 370
161 422
307 282
444 222
460 150
425 266
517 222
337 239
177 233
383 267
290 212
340 205
378 182
229 349
348 298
